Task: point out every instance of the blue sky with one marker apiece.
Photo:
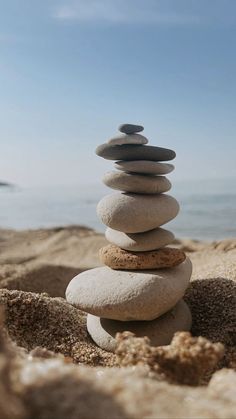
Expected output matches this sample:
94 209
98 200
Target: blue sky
71 71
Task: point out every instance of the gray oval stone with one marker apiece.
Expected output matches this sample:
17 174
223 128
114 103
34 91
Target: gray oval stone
128 139
140 242
136 183
134 152
129 295
136 213
160 331
130 128
146 167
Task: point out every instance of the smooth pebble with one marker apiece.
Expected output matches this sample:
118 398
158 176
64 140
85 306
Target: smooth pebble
140 242
128 139
129 295
146 167
130 128
136 213
160 331
134 152
136 183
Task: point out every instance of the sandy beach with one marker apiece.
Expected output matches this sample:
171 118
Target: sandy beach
58 370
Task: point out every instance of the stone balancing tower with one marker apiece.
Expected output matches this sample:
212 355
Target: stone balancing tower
141 287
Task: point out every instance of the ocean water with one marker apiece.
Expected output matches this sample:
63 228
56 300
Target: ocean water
208 208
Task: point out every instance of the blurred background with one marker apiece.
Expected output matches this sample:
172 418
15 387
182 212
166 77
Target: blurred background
71 71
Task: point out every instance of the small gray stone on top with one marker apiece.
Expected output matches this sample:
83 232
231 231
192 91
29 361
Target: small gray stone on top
130 128
128 139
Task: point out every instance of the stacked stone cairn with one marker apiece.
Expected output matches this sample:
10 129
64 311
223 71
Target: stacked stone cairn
141 288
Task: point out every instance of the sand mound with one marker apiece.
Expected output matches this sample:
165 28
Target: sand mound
35 268
38 320
33 387
37 277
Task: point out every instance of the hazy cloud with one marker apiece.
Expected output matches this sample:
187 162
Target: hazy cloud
124 11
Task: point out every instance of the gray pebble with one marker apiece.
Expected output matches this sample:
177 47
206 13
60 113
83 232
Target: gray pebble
134 152
140 242
130 128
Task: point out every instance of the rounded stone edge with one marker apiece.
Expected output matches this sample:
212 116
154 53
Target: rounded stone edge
165 154
132 237
130 128
113 220
127 139
164 168
145 185
107 341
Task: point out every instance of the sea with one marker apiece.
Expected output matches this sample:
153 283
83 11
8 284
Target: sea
207 208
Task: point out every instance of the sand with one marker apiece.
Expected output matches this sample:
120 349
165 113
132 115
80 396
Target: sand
51 368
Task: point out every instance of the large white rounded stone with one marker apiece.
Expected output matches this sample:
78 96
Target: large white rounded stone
140 242
160 331
147 167
121 139
136 183
129 295
136 213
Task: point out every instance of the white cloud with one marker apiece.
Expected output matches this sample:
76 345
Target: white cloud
122 11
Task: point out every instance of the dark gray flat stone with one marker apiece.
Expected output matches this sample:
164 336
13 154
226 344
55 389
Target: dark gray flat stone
130 128
130 152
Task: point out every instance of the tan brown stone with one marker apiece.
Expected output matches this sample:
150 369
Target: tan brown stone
117 258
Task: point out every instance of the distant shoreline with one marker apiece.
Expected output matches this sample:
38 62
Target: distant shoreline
6 184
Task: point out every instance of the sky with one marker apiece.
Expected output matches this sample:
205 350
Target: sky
71 71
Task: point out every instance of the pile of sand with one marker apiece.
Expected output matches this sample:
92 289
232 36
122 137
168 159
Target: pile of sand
39 382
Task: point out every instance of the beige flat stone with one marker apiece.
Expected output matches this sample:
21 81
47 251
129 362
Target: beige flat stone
140 242
117 258
129 295
160 331
127 182
147 167
136 213
122 139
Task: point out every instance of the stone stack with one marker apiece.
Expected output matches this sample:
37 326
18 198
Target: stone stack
142 285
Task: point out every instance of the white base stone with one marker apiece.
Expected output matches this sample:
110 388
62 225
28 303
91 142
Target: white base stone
129 295
160 331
